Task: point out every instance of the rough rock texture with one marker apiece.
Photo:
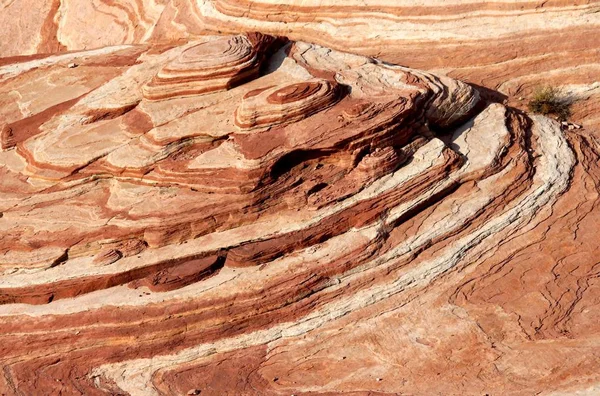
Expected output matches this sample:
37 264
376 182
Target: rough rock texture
509 47
241 215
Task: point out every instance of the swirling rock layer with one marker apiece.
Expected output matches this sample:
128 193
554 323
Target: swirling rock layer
209 66
286 104
327 224
510 46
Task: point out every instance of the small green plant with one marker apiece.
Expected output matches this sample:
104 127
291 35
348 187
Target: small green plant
550 101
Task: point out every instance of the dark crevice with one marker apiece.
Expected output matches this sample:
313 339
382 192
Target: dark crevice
108 114
316 188
291 160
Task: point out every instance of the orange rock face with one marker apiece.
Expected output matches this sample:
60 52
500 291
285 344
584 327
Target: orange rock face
186 213
510 47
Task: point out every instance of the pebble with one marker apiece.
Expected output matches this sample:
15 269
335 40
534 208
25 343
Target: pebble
72 65
570 126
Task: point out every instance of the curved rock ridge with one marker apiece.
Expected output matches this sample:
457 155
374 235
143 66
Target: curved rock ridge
208 66
326 224
286 104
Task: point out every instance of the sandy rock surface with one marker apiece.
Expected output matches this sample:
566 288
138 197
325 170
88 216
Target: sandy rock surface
186 212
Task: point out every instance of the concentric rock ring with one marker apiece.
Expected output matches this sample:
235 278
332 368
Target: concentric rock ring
294 93
209 66
286 104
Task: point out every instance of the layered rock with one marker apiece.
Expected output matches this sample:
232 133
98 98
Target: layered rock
509 47
286 104
294 220
209 66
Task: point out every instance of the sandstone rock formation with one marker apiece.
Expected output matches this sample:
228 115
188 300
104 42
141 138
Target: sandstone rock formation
509 46
245 215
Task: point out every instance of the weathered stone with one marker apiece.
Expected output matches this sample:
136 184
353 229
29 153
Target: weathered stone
204 214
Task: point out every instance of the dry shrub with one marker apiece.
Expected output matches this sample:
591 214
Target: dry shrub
550 101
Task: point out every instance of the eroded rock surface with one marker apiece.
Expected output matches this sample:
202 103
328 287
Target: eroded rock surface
245 215
510 47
